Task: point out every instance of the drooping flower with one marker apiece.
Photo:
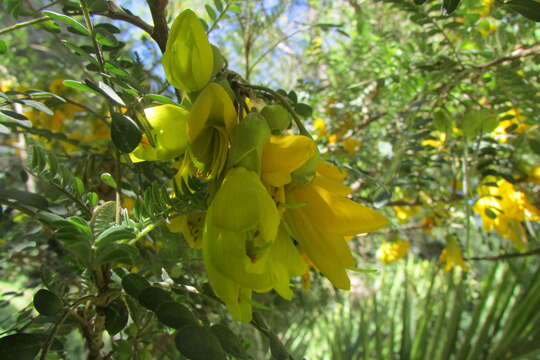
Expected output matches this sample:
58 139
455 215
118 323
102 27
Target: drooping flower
322 218
169 129
390 252
451 256
210 125
240 233
188 60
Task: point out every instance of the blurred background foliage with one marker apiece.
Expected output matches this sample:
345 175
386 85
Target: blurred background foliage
433 113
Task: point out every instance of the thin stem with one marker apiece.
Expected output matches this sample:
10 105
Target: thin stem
101 62
506 256
466 196
86 211
285 104
57 325
24 24
146 230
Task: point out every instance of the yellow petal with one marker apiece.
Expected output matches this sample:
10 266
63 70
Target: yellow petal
242 203
328 252
336 214
213 107
284 154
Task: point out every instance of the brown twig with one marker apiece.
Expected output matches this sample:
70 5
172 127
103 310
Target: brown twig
160 32
516 54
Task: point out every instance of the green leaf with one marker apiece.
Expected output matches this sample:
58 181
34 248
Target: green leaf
535 145
76 236
20 346
3 47
528 8
175 315
117 254
98 5
198 343
125 133
134 284
12 115
80 51
38 106
104 37
47 303
475 123
103 217
80 86
159 99
292 96
303 110
109 27
110 93
211 12
229 341
219 5
152 297
450 5
25 198
114 235
77 26
116 317
108 180
442 121
110 68
4 130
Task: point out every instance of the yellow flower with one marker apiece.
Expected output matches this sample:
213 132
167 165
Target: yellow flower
451 256
210 125
333 138
438 141
487 26
320 126
188 60
403 213
169 129
321 219
503 208
351 145
191 226
516 124
282 155
390 252
534 174
244 248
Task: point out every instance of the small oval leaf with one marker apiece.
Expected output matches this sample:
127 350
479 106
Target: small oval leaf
175 315
152 297
125 133
116 317
47 303
198 343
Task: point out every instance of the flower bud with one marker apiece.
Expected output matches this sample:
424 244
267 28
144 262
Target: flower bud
188 60
248 141
278 118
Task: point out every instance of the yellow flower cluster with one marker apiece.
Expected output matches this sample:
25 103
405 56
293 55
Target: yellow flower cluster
390 252
451 256
513 123
503 208
272 201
